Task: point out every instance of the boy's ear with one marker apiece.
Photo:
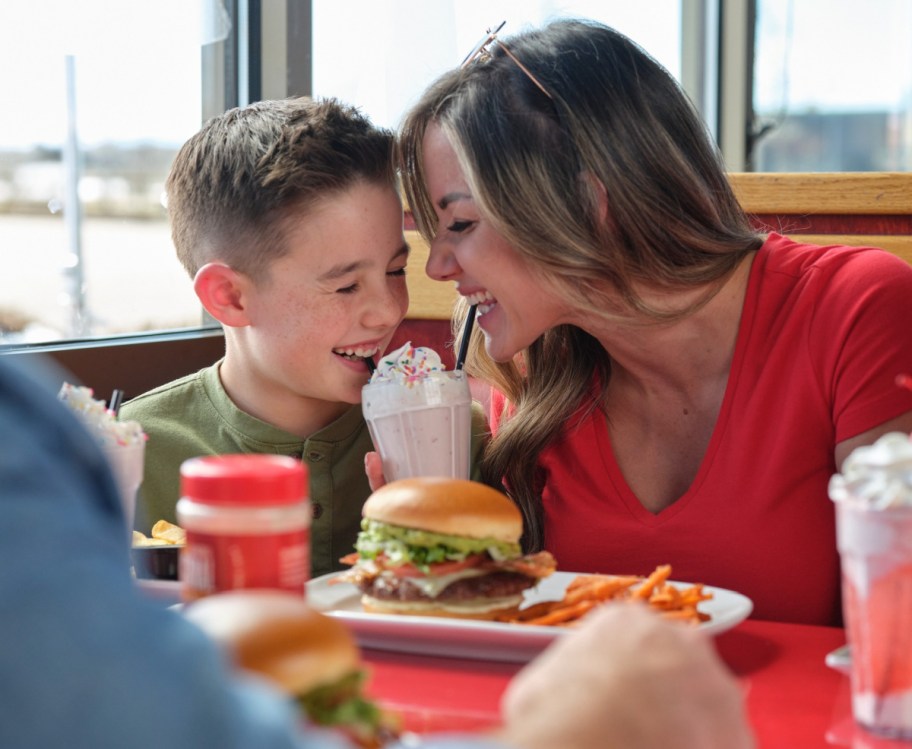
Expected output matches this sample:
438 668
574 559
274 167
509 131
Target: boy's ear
222 291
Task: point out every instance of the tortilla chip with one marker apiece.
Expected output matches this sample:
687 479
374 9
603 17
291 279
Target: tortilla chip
169 533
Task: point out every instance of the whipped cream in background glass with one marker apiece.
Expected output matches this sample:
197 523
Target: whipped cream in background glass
419 415
873 497
878 475
123 442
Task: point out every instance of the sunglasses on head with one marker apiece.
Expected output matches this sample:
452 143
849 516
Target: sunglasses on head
481 53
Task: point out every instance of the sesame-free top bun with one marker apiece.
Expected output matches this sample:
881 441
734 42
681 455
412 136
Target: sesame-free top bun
278 636
455 507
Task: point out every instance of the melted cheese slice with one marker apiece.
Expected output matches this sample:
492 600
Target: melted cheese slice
432 585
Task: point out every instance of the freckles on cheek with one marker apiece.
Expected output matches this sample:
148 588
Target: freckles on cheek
324 316
304 319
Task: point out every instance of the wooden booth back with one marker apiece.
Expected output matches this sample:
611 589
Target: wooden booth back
853 208
835 208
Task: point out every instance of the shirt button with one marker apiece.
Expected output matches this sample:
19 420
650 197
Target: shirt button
314 457
317 511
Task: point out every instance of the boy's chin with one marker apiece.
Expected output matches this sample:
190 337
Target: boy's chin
351 396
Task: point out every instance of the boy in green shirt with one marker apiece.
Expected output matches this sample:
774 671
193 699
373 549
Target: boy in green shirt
287 216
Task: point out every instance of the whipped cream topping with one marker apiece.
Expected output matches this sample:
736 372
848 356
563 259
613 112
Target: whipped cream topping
407 364
878 476
99 419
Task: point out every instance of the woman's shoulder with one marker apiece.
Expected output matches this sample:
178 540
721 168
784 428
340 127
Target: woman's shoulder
783 254
785 268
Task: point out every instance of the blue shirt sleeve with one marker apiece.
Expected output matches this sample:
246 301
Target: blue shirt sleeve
86 661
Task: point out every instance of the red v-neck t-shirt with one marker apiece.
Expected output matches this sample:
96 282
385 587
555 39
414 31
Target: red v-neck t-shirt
823 334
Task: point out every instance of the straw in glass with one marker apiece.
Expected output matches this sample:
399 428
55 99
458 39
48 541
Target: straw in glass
371 367
466 334
116 400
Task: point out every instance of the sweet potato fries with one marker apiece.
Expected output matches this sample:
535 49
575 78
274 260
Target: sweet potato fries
585 592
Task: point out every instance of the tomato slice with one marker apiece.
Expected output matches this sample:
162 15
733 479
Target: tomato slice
438 569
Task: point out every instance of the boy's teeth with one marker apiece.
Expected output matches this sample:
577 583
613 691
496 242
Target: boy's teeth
358 353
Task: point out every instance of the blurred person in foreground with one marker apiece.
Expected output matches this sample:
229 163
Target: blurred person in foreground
286 214
89 663
671 386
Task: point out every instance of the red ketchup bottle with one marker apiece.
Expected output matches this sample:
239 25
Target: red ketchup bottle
247 519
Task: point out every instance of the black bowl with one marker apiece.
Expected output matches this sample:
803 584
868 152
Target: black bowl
158 562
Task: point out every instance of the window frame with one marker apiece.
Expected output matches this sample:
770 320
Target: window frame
268 55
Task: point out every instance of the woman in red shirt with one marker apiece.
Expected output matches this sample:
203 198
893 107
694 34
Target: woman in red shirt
676 387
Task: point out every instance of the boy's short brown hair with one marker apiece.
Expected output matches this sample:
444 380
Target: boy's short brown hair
233 183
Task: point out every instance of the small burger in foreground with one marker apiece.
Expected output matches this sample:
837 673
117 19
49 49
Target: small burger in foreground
442 547
307 654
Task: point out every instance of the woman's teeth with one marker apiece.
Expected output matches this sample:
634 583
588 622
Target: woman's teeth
484 301
355 354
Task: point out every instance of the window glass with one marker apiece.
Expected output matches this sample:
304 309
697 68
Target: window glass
122 81
383 62
833 85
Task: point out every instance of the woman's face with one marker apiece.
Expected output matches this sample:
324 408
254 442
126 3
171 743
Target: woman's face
514 306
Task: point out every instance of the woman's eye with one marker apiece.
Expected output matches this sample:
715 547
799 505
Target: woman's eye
348 289
457 227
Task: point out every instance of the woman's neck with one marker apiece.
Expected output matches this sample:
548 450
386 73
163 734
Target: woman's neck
685 354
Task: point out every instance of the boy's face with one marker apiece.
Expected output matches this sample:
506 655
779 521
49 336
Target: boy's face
337 295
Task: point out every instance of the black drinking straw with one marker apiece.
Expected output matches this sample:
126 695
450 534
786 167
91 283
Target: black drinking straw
371 367
114 403
466 334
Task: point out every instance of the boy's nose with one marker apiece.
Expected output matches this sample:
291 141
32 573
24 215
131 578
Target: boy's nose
386 309
441 263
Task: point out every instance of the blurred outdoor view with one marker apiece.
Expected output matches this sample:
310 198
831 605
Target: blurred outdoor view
98 96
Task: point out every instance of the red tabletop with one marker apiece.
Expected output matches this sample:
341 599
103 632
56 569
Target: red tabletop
793 698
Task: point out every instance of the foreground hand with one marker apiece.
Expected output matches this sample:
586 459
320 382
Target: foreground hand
627 678
373 467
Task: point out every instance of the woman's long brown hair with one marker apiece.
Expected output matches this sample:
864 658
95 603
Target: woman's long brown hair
617 128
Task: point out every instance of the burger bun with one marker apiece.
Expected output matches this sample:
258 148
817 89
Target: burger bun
480 610
454 507
278 636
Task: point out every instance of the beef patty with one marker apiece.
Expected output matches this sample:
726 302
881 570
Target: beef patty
492 585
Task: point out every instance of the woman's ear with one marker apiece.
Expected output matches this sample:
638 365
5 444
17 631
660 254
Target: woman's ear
222 291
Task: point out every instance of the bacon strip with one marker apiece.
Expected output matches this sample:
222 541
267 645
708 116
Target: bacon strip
537 565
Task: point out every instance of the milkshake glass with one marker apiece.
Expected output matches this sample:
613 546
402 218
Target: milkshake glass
127 463
873 499
419 415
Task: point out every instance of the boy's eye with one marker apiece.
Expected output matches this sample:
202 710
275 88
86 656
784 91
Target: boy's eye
396 272
457 227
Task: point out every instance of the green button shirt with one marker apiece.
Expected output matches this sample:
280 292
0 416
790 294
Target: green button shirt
194 416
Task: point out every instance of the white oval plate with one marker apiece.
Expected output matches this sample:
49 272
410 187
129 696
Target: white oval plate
462 638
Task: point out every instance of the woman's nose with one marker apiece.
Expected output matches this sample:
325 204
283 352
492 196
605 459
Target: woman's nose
441 263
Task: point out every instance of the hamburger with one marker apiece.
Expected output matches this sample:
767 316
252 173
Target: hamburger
308 655
442 547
